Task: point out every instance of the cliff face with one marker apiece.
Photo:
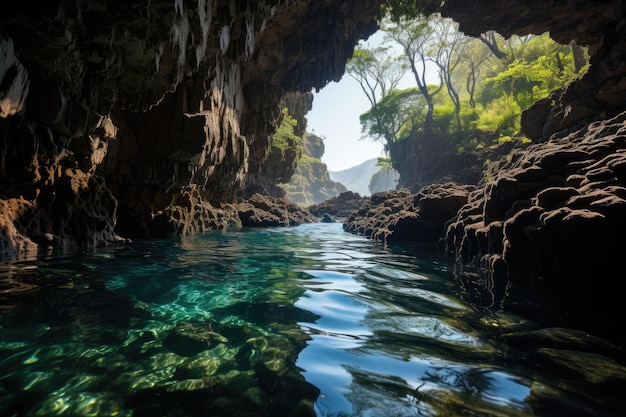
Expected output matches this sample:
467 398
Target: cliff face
311 183
142 119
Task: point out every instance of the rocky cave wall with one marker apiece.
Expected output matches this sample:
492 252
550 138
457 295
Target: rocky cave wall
147 118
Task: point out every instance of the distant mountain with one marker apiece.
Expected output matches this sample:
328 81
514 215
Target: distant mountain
357 178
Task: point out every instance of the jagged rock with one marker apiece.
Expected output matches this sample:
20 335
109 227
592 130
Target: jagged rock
550 214
311 183
15 82
11 240
155 97
263 211
338 207
327 218
182 213
400 215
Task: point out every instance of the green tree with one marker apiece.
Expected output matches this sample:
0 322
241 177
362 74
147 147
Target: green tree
537 65
417 38
489 81
397 115
285 138
378 73
449 50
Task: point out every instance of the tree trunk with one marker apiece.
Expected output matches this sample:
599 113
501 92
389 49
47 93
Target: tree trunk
579 57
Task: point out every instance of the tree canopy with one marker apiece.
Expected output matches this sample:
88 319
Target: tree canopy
482 86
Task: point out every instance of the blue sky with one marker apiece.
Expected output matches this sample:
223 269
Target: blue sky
335 116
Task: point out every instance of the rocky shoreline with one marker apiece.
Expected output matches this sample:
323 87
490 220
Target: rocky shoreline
549 220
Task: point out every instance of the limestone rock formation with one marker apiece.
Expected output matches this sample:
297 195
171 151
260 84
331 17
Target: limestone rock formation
264 211
136 119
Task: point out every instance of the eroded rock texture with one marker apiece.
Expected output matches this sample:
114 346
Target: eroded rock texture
338 208
553 220
150 118
147 118
400 215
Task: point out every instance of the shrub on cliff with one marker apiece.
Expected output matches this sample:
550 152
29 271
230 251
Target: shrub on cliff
311 183
286 149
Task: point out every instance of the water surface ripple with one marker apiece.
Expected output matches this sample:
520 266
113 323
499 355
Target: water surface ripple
298 321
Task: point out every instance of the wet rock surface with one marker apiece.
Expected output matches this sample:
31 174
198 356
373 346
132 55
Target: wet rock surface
547 221
189 340
549 217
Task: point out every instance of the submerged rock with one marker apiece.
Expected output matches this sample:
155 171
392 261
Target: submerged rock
593 368
560 338
549 217
188 340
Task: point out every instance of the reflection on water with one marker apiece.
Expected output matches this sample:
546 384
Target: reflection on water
299 321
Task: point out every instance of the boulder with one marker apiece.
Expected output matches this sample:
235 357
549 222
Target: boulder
263 211
400 215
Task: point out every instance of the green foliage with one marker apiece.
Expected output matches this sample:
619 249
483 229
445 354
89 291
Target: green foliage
489 81
394 118
469 116
504 139
311 183
376 71
443 118
540 66
384 164
307 159
501 116
285 138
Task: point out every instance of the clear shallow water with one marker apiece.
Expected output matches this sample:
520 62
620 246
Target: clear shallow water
296 321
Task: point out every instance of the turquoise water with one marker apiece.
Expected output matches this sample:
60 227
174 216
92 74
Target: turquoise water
298 321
